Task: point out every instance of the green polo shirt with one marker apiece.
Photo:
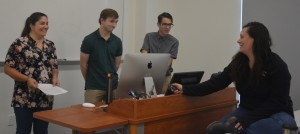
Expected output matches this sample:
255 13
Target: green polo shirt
102 55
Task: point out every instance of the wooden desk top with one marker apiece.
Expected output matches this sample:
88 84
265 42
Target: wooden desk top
81 119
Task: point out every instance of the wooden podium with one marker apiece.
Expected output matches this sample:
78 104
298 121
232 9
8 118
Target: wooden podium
174 114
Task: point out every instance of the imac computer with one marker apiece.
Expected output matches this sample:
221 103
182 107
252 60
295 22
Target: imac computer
185 78
136 67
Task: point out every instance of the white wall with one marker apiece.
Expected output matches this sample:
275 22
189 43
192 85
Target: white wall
207 31
5 96
69 22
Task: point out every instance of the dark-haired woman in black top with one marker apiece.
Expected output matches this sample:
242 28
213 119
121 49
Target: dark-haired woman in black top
261 78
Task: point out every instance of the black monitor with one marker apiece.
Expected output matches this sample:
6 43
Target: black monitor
137 66
185 78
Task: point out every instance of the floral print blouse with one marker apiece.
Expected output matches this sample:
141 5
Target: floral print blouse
24 56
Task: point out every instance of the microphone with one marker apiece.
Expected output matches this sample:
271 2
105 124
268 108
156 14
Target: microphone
109 93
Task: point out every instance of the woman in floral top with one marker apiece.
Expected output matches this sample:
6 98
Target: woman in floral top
31 59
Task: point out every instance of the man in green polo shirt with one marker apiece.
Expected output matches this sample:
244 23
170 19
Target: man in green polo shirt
101 53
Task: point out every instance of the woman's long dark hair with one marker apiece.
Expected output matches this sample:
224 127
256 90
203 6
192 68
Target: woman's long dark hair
32 19
239 66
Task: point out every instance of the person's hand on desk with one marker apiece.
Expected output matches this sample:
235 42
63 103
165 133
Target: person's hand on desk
177 88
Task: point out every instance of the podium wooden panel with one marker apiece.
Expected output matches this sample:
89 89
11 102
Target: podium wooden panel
175 114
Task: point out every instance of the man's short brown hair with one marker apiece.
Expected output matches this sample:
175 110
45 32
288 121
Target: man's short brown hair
108 12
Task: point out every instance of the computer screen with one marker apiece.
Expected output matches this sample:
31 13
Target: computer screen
137 66
185 78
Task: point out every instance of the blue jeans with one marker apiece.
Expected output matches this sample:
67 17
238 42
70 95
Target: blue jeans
25 120
272 125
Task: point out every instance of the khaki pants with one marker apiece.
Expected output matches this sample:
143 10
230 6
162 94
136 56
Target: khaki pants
166 84
95 95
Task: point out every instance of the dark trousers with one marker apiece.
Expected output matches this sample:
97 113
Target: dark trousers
25 121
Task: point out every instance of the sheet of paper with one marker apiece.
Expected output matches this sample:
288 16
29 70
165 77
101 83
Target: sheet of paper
49 89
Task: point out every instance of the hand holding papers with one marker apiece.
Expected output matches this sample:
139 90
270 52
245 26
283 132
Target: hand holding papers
49 89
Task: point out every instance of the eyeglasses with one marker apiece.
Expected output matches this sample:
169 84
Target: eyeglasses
170 25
